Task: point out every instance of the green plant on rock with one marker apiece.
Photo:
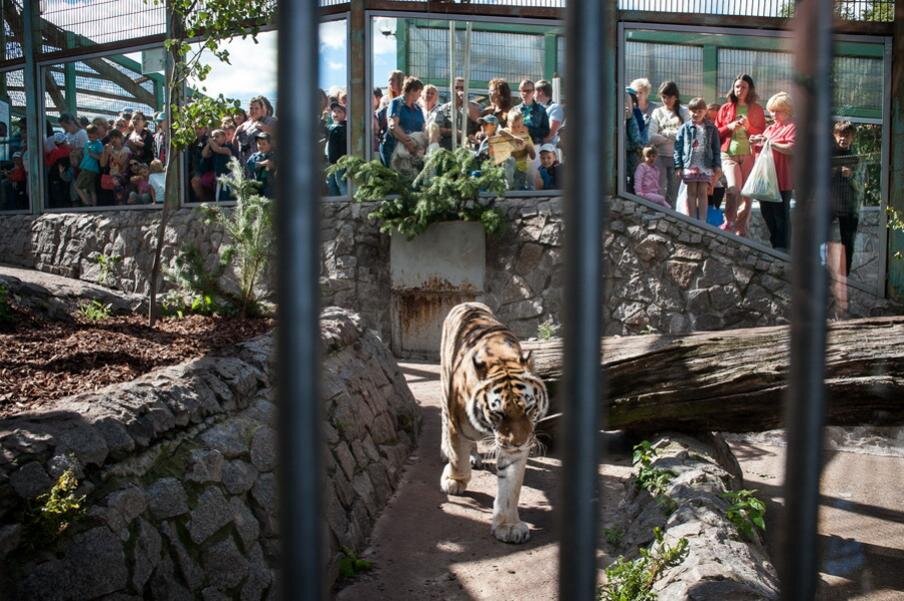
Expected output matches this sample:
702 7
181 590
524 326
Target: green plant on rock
449 187
547 329
653 480
94 310
107 264
250 225
632 580
896 224
55 511
745 511
350 565
614 535
196 289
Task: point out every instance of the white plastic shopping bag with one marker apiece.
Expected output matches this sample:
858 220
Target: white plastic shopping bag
762 183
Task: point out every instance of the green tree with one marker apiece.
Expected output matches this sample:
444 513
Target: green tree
880 10
196 29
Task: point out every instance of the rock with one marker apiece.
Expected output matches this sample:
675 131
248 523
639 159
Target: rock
205 466
129 503
715 273
146 554
30 480
88 445
228 438
188 567
211 513
263 449
238 476
166 499
60 464
246 524
10 537
224 565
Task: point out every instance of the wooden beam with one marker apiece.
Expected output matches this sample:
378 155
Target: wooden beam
735 380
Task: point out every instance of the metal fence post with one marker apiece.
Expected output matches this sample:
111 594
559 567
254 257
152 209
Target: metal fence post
298 332
590 35
805 403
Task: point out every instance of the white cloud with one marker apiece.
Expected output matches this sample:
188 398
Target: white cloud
252 69
333 34
335 65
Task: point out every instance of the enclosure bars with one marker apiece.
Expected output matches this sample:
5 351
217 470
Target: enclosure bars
298 331
805 401
590 52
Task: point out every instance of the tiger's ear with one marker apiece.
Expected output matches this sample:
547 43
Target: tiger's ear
480 366
527 359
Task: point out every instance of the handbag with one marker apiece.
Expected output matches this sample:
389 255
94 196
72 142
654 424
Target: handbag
107 182
762 183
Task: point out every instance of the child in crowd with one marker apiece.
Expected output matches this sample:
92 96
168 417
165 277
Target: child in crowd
523 150
646 178
157 178
142 190
18 180
336 148
845 197
89 168
261 165
59 170
489 125
116 159
697 157
215 162
549 175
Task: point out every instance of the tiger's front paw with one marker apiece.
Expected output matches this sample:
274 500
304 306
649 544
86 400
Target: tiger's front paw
516 533
450 485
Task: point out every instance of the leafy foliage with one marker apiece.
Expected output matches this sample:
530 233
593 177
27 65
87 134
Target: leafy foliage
632 580
547 329
613 535
250 225
94 310
653 480
55 512
447 188
196 288
107 264
746 511
350 565
896 224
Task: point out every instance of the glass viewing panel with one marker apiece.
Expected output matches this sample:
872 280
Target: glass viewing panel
687 65
13 176
246 134
100 147
333 112
516 110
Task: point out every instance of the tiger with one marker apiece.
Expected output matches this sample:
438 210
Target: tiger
489 390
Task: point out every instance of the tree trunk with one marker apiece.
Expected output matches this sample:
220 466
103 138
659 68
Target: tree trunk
735 380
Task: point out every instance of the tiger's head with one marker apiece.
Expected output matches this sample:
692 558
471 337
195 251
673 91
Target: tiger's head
509 400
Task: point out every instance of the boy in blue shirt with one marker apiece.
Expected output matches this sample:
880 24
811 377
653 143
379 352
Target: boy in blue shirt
89 168
261 165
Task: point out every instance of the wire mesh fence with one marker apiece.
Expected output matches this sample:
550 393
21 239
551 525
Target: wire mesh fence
12 29
66 25
852 10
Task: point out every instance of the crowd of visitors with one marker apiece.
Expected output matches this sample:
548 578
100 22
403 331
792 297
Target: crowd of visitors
409 122
122 161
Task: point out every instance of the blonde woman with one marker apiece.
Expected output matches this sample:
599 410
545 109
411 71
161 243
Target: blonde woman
781 135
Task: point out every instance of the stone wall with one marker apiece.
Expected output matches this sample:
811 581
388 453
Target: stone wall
663 273
178 470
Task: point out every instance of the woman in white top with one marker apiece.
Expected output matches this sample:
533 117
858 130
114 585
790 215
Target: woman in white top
665 122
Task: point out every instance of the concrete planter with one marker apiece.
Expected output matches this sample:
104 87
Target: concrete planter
430 274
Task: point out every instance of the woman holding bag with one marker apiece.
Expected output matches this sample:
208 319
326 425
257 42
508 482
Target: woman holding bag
780 135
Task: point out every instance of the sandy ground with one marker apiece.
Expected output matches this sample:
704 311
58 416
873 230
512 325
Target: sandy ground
427 546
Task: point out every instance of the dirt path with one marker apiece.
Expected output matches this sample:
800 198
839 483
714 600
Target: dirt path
427 546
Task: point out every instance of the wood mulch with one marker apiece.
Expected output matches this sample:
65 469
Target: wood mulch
42 360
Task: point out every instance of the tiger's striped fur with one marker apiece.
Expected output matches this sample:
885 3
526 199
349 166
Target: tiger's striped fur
488 390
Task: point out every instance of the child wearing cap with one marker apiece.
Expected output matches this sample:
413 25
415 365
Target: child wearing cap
489 124
549 174
261 165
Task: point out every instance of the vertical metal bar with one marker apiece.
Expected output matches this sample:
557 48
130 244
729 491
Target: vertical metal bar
298 331
590 52
359 96
31 39
454 112
805 403
465 104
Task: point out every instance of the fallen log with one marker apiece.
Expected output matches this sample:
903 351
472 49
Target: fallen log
736 380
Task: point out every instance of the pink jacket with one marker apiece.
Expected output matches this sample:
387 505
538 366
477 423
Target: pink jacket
646 179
